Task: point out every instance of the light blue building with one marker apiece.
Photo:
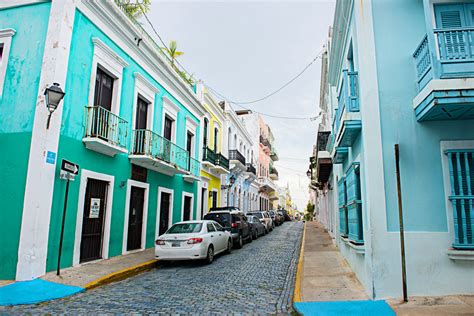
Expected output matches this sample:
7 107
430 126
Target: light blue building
127 119
402 72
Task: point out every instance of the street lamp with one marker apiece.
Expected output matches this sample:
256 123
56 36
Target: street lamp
53 96
309 173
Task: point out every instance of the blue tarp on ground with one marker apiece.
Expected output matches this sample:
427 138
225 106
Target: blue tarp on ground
346 308
35 291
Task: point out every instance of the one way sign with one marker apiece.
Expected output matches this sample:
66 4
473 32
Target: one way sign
68 170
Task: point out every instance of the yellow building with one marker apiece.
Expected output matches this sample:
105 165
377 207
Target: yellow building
215 164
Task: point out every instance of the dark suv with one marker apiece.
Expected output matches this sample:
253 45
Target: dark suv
233 220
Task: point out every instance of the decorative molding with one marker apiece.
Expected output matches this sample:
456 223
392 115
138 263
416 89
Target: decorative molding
110 53
455 254
145 83
7 33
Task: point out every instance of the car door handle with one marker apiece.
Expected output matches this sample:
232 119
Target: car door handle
212 235
220 234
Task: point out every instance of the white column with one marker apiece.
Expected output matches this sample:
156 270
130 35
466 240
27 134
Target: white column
33 247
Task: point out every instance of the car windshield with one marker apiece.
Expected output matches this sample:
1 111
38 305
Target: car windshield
185 228
272 213
221 218
259 215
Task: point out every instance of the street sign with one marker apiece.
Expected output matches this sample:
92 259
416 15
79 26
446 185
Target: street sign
69 167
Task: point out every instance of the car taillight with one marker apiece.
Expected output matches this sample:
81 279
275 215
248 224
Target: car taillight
159 242
234 225
194 240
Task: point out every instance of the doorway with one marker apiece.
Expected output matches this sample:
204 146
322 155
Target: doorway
135 218
166 205
187 207
93 220
203 202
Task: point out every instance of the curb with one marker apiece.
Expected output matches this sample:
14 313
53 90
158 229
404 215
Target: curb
299 271
122 274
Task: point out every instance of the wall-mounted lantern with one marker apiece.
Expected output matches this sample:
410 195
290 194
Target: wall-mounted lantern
53 96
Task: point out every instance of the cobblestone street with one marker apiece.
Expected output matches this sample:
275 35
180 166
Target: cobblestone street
257 279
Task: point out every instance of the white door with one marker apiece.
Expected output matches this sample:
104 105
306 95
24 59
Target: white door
221 237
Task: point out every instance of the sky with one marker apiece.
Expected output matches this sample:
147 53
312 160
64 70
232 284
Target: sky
246 50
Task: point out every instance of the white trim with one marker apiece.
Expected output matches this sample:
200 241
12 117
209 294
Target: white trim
86 174
40 179
158 210
172 110
454 254
111 63
443 85
6 4
5 41
145 186
147 91
192 205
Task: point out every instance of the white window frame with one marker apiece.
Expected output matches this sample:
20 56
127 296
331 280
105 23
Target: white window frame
147 91
158 210
86 174
145 186
5 41
109 61
191 126
191 195
447 145
172 110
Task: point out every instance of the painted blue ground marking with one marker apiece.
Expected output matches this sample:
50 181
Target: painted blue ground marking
346 308
35 291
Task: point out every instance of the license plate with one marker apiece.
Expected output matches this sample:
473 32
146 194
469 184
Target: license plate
175 244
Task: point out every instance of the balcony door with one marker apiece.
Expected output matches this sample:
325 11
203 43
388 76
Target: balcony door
187 208
141 118
104 84
167 134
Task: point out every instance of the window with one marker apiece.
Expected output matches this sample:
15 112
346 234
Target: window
461 172
354 204
206 123
104 85
185 228
341 190
189 143
5 43
210 228
168 128
216 133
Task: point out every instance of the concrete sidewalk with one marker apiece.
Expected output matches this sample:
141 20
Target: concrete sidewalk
76 279
326 275
329 286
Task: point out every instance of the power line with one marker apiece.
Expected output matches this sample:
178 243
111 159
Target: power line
311 118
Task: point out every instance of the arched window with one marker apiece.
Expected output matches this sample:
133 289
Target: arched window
216 134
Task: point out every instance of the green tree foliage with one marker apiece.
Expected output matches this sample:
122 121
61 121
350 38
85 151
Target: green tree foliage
308 214
134 8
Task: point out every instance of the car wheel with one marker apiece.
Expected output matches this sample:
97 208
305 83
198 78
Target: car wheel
240 242
250 237
210 254
256 235
229 247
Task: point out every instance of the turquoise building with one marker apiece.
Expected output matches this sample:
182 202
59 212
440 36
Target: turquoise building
400 72
127 119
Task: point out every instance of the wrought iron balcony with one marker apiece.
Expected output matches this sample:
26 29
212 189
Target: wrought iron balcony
274 154
251 169
264 140
105 132
221 165
208 155
446 53
155 152
273 173
194 169
234 154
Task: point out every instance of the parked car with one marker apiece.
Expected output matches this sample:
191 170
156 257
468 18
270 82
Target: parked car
275 217
193 240
234 221
265 218
281 216
258 228
287 216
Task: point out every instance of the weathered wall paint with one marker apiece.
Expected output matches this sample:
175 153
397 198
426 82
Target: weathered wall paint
17 104
72 148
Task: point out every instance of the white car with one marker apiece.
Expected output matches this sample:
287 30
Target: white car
192 240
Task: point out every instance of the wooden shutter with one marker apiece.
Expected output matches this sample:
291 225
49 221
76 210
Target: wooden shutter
450 16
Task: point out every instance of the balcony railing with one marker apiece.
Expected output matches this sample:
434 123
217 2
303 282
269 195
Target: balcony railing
264 140
209 155
222 161
148 143
454 53
234 154
348 99
105 125
194 167
251 168
273 171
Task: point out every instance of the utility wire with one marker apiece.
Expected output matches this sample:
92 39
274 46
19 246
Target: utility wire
312 118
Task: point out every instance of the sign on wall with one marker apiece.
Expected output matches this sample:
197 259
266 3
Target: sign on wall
95 208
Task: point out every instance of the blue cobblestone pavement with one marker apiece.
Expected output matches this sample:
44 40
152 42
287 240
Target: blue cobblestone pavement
257 279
